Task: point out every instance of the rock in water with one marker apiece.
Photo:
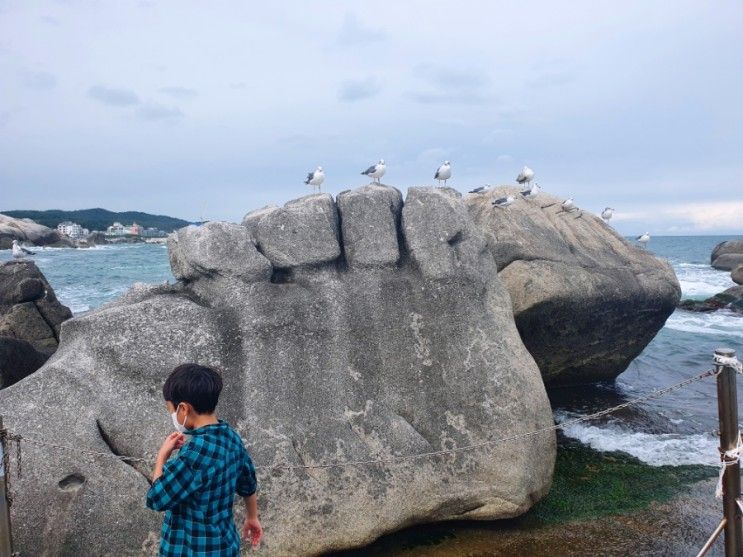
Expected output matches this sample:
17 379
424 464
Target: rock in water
730 299
30 320
727 255
26 230
586 301
394 345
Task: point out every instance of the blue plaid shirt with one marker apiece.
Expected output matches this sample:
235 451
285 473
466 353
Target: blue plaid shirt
197 490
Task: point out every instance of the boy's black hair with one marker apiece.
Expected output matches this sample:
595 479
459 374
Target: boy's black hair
198 385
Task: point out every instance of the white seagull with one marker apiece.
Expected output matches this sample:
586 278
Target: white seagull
568 205
503 201
315 178
607 213
525 176
644 238
443 172
376 171
19 251
480 189
531 191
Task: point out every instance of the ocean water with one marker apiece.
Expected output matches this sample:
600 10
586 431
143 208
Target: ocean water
676 429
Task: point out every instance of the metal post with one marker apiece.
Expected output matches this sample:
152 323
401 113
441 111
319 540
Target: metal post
727 402
6 542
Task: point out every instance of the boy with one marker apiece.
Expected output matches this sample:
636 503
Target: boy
197 487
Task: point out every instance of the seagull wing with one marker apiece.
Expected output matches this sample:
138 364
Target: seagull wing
436 176
500 201
309 177
370 170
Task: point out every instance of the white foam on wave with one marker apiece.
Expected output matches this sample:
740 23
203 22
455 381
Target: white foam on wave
721 322
655 449
701 281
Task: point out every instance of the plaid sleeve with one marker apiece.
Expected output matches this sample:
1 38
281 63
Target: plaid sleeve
178 480
247 483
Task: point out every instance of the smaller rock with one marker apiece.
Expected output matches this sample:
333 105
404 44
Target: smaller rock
303 232
737 274
18 359
29 289
216 248
370 217
729 246
731 299
728 261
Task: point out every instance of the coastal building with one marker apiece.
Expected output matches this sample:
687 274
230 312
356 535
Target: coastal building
118 229
152 232
72 229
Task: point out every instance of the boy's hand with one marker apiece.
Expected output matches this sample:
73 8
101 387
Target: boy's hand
253 531
172 442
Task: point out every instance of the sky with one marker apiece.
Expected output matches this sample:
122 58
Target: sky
209 110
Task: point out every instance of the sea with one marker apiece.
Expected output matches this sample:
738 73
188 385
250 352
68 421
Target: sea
678 428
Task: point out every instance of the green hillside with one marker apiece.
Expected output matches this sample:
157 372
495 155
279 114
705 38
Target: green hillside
99 219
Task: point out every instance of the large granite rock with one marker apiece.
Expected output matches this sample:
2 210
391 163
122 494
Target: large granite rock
29 232
586 301
29 314
323 360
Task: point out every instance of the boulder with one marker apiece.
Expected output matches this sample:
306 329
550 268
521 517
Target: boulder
304 232
336 363
29 232
18 359
730 299
737 274
585 300
724 248
29 309
370 220
728 261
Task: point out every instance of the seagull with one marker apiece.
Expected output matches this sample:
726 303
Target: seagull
531 191
443 172
481 189
376 171
568 205
503 201
315 178
525 176
644 239
607 213
19 251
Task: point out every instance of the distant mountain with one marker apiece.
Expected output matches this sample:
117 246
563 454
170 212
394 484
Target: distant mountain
99 219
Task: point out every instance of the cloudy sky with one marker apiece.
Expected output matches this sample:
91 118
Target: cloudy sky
197 109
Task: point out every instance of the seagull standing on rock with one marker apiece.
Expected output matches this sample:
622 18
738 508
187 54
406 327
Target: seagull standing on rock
376 171
503 201
644 239
568 205
443 172
480 189
525 176
315 178
607 213
531 191
19 251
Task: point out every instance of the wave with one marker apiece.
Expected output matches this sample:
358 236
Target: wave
655 449
721 322
701 281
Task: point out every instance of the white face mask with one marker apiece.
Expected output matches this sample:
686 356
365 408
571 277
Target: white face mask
179 427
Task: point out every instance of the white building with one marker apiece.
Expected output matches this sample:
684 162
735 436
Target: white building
72 229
